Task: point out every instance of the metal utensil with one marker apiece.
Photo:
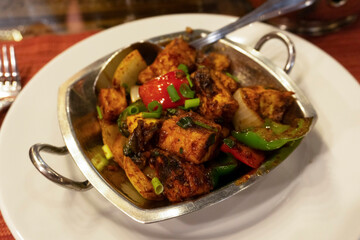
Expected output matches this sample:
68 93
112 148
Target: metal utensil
10 81
270 9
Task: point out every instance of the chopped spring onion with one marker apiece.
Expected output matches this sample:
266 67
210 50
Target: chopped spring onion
98 109
229 142
155 110
107 151
185 69
134 93
185 122
232 76
155 106
191 103
171 111
158 187
132 110
204 125
99 162
186 91
174 96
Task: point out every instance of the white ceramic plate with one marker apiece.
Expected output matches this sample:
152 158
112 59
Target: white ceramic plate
314 194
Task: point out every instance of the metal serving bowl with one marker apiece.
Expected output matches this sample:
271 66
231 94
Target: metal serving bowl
81 132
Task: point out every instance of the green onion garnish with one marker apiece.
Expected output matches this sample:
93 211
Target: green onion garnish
132 110
232 76
99 162
98 109
107 151
154 106
185 69
157 185
186 91
171 111
181 150
185 122
229 142
189 80
155 110
191 103
174 96
204 125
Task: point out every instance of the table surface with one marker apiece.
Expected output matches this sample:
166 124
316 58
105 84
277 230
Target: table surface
43 45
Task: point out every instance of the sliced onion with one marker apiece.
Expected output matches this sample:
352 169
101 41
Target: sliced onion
244 116
134 93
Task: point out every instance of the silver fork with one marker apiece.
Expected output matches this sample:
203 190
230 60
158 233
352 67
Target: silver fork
10 81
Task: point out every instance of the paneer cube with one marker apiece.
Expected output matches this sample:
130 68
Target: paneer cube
176 52
216 102
195 144
112 102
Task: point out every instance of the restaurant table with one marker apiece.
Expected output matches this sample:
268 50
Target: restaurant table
34 52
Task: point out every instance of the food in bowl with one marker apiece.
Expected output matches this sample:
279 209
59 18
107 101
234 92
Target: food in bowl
184 125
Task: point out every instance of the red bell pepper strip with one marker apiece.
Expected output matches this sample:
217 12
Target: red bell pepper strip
249 156
156 89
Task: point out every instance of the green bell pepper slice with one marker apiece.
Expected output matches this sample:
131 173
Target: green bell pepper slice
225 165
273 135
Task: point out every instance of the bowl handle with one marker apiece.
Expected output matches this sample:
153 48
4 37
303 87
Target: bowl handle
289 44
49 173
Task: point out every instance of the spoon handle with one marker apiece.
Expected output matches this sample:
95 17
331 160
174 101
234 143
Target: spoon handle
269 9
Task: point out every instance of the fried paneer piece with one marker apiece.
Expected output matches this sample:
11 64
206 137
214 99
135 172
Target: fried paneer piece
112 102
228 82
176 52
216 102
273 104
195 144
268 103
181 179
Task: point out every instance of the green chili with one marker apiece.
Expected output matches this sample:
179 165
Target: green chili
232 76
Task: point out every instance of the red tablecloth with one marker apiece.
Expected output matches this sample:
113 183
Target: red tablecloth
33 53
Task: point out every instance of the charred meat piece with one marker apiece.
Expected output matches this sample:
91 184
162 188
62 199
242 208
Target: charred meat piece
112 102
194 143
176 52
181 179
216 101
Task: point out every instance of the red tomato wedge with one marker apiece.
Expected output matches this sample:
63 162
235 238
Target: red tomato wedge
249 156
156 89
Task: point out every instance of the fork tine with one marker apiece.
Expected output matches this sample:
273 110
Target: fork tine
14 70
6 64
1 69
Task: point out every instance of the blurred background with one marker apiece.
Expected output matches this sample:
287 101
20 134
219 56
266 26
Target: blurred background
21 18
